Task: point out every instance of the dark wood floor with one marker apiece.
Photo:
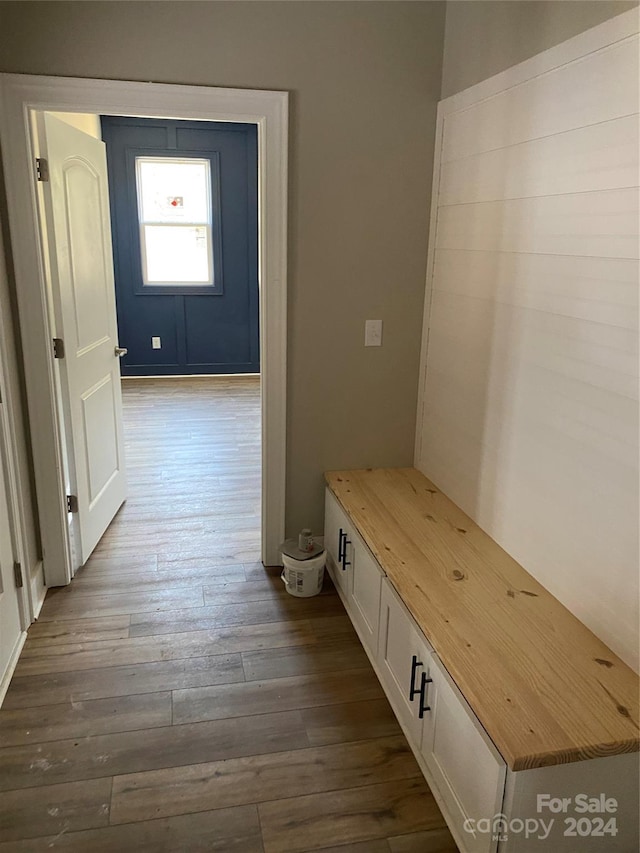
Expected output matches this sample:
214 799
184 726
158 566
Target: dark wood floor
175 698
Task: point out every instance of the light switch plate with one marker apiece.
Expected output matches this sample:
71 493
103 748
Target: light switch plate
156 343
373 333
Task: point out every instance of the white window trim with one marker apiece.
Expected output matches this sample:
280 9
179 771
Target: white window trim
22 96
143 222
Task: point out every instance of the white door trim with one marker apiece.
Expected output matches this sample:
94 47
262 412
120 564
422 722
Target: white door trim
22 95
14 492
16 497
574 49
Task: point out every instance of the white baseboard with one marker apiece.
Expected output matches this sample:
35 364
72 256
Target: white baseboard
38 590
195 376
38 601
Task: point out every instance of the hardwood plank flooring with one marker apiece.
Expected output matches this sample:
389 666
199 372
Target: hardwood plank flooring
47 634
80 685
243 613
348 815
84 719
280 694
349 721
139 650
239 781
379 846
76 805
436 841
167 746
175 699
235 830
169 576
68 604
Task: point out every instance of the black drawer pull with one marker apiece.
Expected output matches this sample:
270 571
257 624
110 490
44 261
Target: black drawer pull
423 690
413 690
342 549
345 562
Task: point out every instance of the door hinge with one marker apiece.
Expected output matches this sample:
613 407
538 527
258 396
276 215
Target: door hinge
42 169
58 348
72 503
17 573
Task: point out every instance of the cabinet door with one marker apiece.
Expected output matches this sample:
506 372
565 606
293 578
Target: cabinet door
338 542
403 658
364 600
467 769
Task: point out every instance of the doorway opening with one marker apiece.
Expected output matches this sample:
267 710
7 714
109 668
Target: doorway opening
184 234
184 214
26 96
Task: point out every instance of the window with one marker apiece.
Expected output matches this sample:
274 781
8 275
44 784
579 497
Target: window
175 219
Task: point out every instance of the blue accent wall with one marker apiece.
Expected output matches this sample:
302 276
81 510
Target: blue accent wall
202 331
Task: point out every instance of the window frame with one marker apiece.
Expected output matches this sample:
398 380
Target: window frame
147 222
216 288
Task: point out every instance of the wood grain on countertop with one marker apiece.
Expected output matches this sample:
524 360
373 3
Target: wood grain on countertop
544 687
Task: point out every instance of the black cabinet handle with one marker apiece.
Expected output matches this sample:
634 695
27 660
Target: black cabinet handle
413 690
342 549
345 562
423 690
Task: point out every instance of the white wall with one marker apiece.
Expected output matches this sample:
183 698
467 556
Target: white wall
530 414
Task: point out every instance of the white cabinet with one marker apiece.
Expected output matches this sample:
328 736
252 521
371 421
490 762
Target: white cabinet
403 662
466 768
338 543
366 583
463 768
465 771
354 571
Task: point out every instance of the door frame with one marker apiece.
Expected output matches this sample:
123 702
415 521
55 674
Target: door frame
25 95
9 473
10 480
15 440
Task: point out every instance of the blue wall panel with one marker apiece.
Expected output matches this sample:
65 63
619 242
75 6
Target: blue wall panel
201 332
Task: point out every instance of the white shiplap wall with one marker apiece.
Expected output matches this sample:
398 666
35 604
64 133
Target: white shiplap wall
529 406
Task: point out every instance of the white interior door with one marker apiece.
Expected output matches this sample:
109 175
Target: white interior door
78 230
10 622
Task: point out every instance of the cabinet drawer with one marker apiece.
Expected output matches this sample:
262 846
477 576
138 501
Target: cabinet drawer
354 571
364 599
338 542
467 769
403 658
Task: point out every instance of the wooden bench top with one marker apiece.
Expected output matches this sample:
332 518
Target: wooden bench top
544 687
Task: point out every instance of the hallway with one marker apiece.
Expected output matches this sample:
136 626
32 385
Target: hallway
175 698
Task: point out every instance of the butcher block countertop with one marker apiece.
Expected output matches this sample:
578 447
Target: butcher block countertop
544 687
